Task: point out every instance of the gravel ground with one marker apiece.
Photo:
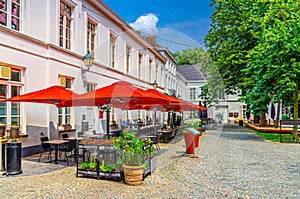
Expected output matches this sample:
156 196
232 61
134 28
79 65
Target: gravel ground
232 163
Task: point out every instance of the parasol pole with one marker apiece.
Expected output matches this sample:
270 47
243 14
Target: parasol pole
107 119
194 156
155 130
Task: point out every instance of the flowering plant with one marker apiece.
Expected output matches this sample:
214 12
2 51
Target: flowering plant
132 148
64 125
96 141
195 123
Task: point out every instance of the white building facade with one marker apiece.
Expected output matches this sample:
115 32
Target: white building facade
42 44
189 83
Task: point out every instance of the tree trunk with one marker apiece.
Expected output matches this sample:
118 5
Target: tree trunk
296 101
277 116
263 118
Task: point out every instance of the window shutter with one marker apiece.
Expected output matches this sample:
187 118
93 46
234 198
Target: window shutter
63 81
5 72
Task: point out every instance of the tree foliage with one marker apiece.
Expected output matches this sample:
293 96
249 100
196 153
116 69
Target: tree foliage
214 88
254 43
190 56
229 40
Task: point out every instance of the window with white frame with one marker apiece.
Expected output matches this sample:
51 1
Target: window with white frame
15 75
140 61
64 114
3 105
162 75
90 87
112 50
192 93
65 25
15 107
91 36
65 81
156 72
10 13
128 58
150 69
10 111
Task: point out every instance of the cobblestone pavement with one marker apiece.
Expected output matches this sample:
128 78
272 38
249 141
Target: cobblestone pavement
232 163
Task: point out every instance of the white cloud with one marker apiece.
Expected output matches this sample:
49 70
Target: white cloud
146 24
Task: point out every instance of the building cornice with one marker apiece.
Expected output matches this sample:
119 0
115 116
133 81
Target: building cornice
170 55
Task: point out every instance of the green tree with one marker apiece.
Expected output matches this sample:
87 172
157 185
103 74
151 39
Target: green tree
214 89
229 40
190 56
254 43
276 57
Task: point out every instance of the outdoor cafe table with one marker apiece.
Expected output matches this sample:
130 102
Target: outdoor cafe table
56 143
75 139
151 137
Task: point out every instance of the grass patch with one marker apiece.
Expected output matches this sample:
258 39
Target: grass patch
275 137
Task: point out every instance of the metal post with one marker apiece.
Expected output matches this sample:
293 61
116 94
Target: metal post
194 156
107 121
280 133
155 130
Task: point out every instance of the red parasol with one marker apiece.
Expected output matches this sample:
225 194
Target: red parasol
118 94
185 106
53 95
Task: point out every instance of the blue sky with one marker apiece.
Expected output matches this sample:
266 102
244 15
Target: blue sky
177 24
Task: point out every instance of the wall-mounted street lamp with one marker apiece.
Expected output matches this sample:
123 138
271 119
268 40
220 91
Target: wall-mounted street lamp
172 92
154 84
88 61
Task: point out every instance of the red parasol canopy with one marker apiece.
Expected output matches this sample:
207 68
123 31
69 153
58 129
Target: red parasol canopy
53 95
118 94
185 106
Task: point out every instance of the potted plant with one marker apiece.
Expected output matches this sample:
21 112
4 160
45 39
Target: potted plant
215 126
220 117
91 165
132 149
67 126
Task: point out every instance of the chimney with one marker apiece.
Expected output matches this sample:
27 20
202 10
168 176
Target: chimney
151 39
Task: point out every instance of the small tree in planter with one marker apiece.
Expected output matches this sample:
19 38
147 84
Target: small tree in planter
220 117
132 156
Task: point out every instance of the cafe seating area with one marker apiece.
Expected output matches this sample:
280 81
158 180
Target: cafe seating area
64 148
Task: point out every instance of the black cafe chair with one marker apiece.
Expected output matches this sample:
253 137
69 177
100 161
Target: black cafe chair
64 136
68 148
46 147
155 142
